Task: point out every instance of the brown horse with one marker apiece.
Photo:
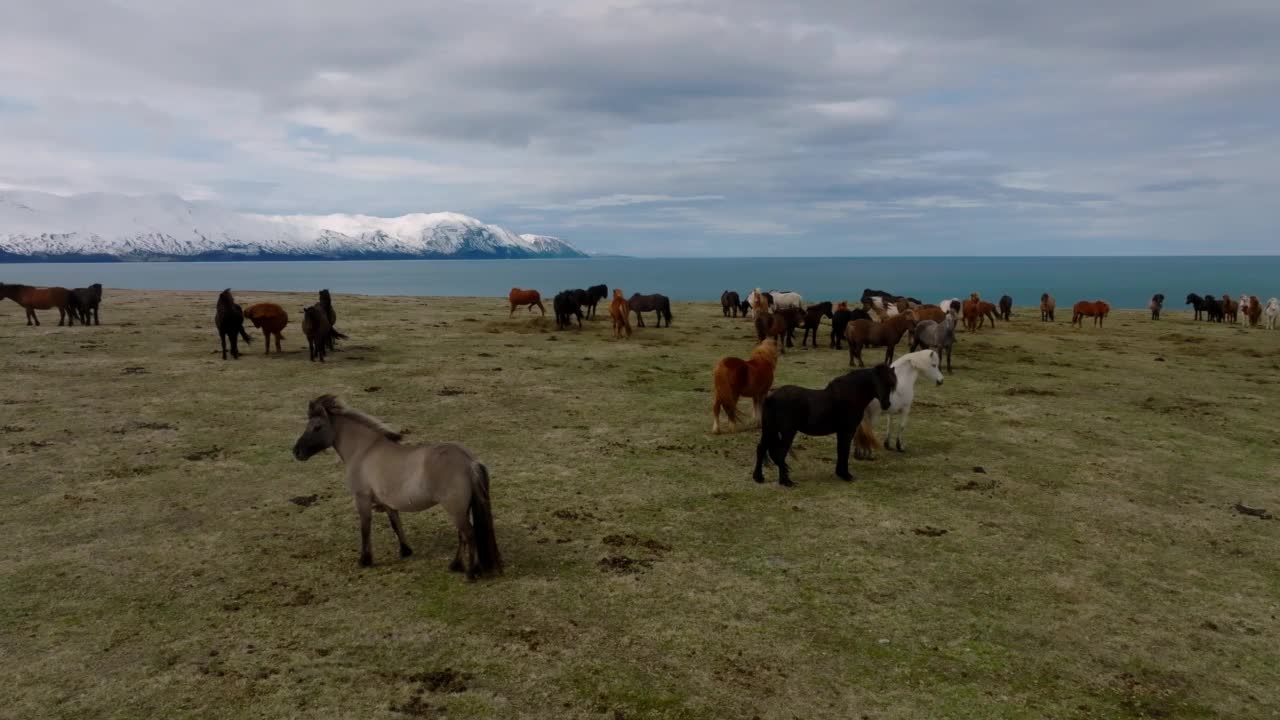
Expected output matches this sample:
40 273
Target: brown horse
34 298
734 378
1047 306
1230 309
1255 311
620 312
929 312
1083 309
271 318
887 334
970 314
986 311
521 298
780 326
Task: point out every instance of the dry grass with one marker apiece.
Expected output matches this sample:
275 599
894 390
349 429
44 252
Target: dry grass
164 556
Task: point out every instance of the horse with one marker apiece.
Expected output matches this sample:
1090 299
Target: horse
840 320
85 302
1097 310
929 312
320 334
1047 306
521 298
271 318
729 303
1272 313
34 298
1230 309
1156 305
581 297
951 305
734 378
864 333
1251 309
1197 304
383 474
986 311
1006 309
620 313
780 326
886 298
783 299
656 303
906 368
760 300
565 305
1213 309
837 408
326 304
813 320
595 294
970 313
229 320
744 308
940 336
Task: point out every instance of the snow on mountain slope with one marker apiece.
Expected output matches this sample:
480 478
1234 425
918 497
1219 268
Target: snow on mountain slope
40 226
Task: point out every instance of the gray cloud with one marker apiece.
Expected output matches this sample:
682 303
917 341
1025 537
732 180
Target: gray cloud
672 124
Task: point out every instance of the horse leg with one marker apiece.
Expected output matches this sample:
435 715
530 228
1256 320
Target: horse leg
467 551
223 338
888 430
364 508
778 453
902 427
279 337
394 517
761 449
844 439
715 416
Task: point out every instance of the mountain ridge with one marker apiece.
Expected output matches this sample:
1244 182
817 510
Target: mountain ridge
105 227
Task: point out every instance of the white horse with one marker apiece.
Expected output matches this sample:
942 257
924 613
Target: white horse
950 304
1245 305
883 310
783 300
1272 312
907 368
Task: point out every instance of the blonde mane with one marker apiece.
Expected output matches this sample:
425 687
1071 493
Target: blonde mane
327 405
766 350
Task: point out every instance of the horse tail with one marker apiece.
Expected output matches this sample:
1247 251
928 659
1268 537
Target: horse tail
726 393
489 558
333 332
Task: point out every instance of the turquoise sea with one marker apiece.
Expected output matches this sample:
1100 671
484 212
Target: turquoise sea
1125 282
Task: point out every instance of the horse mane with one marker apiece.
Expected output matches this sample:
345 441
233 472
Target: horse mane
766 350
326 405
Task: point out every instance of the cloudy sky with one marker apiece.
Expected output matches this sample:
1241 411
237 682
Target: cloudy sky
675 127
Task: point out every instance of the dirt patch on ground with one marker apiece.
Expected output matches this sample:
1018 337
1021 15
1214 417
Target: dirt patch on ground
141 425
980 485
629 540
207 454
450 391
624 565
1037 392
931 531
134 371
304 500
568 514
11 429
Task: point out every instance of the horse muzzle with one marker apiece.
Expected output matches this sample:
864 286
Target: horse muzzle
300 453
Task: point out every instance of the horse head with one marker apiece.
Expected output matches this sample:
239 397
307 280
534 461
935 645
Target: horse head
885 380
930 365
317 436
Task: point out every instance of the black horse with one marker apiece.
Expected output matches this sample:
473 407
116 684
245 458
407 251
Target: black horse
840 320
229 319
566 306
85 302
837 408
1156 305
813 320
326 304
1213 310
887 297
595 294
655 303
730 303
1197 304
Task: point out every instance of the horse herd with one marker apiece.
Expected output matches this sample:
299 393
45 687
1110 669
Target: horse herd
317 324
1226 310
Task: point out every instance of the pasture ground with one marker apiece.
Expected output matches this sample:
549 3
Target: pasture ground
1058 541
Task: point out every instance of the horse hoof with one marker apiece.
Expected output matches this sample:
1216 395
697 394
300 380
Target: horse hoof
366 560
758 478
786 482
455 566
847 477
405 551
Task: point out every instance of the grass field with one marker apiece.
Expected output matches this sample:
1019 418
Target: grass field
163 555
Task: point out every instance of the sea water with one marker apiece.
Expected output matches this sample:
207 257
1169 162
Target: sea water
1125 282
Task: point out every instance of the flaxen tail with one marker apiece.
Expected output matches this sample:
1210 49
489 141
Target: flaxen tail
489 558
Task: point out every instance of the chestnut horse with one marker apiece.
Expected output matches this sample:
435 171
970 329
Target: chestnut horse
970 314
887 334
271 318
986 311
1255 311
1230 309
34 298
620 311
520 298
929 312
1083 309
1047 306
734 378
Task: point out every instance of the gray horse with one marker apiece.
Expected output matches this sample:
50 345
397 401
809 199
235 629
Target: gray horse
936 336
384 475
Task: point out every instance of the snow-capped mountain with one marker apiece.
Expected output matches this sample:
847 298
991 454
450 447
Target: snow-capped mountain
99 226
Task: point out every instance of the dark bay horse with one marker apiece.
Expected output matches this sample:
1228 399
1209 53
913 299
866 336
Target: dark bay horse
326 304
1006 309
730 303
1156 305
840 320
1197 304
565 304
655 303
595 294
837 408
85 302
813 320
320 334
229 319
37 298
